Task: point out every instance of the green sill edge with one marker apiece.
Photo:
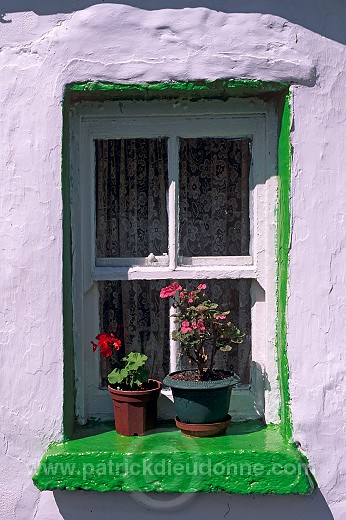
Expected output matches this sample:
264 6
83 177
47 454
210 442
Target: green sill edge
86 463
250 458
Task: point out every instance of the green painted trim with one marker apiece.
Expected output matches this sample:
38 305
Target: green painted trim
191 90
251 458
181 86
283 245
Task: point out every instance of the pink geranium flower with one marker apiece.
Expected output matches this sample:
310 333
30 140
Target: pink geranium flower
185 327
200 325
202 286
166 292
191 297
220 317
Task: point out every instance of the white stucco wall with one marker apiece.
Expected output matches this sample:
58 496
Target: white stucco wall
43 46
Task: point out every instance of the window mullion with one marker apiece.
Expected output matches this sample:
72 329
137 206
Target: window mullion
173 227
173 190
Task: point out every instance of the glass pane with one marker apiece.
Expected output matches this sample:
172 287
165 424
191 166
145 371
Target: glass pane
214 197
235 296
135 313
131 187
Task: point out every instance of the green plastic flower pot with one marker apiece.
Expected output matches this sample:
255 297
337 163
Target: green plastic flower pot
200 402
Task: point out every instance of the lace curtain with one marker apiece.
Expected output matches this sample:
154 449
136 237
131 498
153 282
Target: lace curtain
131 187
131 221
214 197
134 311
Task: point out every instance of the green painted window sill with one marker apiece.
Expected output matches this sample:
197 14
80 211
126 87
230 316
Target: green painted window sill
250 458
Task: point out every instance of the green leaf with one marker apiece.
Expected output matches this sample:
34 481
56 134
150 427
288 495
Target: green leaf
117 376
202 308
135 360
141 376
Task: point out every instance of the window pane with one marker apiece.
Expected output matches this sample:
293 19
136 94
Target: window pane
135 313
214 197
131 187
235 296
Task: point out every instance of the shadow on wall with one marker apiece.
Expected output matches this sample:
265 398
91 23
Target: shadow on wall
322 19
88 505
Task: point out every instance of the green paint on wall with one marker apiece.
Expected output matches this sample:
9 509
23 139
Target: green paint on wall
283 245
251 458
221 89
92 86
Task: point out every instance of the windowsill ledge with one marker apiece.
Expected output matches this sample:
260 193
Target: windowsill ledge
250 458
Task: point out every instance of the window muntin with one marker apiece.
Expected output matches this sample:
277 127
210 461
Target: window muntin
236 119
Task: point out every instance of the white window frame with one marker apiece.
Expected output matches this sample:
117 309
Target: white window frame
235 118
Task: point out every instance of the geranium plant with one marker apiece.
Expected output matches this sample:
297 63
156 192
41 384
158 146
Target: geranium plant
202 328
131 373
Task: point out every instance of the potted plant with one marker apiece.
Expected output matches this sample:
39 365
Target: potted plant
134 395
202 394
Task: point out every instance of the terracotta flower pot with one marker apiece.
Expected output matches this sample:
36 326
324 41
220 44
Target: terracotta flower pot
135 411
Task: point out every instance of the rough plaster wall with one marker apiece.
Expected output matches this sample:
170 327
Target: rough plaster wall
43 46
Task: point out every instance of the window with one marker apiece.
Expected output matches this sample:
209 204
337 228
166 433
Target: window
166 191
246 264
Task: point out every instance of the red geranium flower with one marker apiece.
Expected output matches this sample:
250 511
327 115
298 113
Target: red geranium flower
106 350
106 342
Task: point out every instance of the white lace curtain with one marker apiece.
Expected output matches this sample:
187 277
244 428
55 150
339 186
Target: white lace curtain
214 197
131 187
